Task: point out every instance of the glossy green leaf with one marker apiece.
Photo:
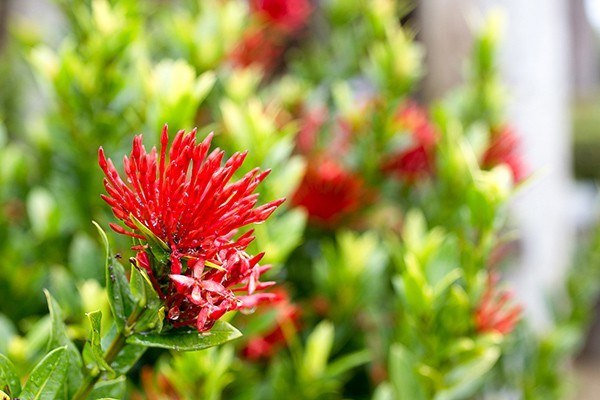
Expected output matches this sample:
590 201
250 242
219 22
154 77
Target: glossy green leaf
96 352
119 296
187 339
9 380
59 338
47 377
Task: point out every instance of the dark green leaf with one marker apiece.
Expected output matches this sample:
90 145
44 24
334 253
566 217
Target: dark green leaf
187 339
96 352
8 377
110 389
59 338
47 377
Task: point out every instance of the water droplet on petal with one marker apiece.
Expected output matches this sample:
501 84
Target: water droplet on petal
173 313
247 311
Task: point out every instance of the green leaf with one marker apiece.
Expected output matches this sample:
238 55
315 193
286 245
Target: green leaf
347 362
47 377
64 289
403 376
110 389
59 338
153 314
127 357
318 349
7 333
384 391
120 299
9 380
187 339
463 380
96 351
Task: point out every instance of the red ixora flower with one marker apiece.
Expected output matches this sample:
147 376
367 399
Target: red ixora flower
285 15
328 191
497 311
504 149
187 201
415 162
287 322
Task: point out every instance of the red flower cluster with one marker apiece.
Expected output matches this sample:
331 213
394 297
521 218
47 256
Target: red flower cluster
414 162
504 149
187 202
496 311
287 322
328 192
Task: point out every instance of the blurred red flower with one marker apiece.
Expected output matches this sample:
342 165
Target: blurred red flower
415 162
187 201
286 15
328 192
257 48
504 149
287 322
496 311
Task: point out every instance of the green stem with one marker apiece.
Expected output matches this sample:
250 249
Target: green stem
115 347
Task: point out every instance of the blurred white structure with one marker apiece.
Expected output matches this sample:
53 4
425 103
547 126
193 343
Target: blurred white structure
534 60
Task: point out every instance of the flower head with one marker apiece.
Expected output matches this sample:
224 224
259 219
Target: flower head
504 149
328 192
496 311
185 204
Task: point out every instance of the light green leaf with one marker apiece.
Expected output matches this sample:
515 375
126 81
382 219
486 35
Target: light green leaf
403 376
47 377
96 351
463 380
59 338
9 380
318 349
187 339
113 389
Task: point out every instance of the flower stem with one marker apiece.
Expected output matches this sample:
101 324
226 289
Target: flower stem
115 347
